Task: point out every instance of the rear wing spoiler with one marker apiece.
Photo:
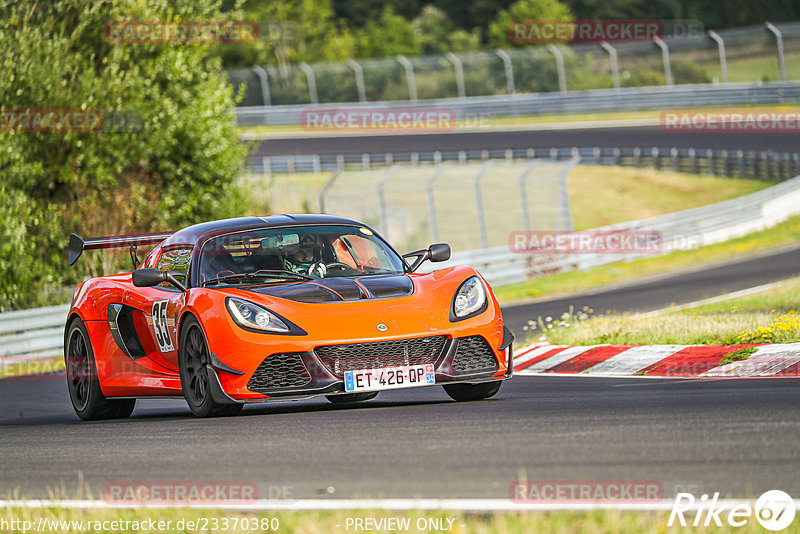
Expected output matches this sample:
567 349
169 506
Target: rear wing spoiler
78 244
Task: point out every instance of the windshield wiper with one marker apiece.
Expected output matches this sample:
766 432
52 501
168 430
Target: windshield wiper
263 273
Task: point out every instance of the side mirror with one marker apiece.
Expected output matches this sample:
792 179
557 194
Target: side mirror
148 277
435 253
439 252
152 277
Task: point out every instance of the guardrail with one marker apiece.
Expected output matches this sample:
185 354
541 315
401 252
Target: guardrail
733 163
629 99
682 230
34 333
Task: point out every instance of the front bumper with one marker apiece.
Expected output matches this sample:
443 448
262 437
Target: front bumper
303 374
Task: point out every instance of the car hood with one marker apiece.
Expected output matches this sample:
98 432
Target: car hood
424 311
341 289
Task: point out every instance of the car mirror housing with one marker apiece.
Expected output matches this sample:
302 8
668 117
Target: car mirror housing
435 253
148 277
152 277
439 252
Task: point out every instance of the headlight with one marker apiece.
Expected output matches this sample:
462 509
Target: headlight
470 299
254 317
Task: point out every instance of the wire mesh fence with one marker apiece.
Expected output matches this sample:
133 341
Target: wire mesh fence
754 54
470 206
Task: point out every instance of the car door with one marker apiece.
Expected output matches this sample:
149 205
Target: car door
160 305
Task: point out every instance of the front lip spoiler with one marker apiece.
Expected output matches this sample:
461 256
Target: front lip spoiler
508 339
508 343
216 363
217 393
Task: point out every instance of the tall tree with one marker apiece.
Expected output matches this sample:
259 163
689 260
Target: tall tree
173 160
525 10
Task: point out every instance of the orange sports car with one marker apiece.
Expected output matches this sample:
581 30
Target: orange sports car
253 309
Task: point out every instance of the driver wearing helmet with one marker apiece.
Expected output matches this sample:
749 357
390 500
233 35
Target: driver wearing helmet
305 258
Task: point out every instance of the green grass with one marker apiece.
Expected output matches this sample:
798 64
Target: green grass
601 194
767 317
316 522
785 233
737 356
764 67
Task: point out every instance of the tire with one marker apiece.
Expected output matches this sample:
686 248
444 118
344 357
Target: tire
82 382
347 398
472 392
192 361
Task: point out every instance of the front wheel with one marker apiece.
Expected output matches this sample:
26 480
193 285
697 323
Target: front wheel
472 392
84 387
347 398
193 361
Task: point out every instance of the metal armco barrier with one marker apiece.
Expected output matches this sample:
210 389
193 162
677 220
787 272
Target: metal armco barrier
37 332
593 101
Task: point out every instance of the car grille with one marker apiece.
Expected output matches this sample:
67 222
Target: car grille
474 354
354 356
279 371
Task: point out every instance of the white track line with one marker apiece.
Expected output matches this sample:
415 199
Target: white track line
455 505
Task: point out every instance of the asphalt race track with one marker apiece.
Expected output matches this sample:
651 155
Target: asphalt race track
640 136
738 437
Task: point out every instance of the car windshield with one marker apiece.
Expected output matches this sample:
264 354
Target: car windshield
298 253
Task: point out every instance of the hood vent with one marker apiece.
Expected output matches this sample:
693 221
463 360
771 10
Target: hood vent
342 289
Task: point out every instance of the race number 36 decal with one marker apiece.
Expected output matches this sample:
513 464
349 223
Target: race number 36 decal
160 326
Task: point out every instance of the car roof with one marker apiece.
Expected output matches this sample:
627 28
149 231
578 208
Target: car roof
192 234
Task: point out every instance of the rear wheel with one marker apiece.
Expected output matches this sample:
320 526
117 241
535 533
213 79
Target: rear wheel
351 397
472 392
82 382
193 361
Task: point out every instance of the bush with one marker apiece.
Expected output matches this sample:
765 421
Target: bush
688 72
174 165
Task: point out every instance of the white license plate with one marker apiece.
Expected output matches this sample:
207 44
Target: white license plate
406 376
